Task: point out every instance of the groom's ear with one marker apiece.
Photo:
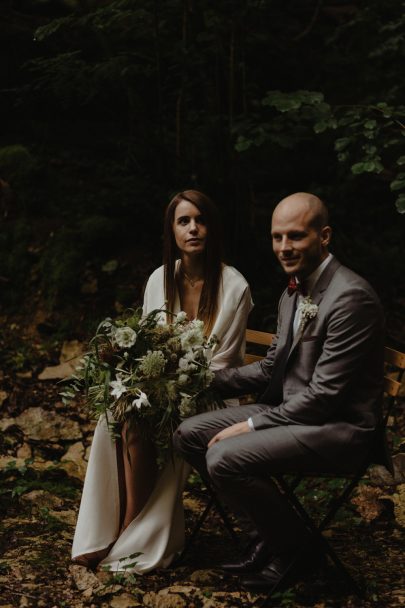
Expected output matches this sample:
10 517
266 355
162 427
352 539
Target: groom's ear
326 235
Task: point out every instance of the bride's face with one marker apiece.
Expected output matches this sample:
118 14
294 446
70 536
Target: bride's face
189 228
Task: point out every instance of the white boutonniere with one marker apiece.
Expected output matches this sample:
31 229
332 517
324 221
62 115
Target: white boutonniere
307 311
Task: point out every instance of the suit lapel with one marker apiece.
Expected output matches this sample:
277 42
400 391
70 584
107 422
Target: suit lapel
316 297
284 339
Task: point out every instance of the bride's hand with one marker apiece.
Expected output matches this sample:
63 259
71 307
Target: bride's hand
230 431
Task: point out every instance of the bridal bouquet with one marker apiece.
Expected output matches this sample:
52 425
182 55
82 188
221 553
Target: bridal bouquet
146 372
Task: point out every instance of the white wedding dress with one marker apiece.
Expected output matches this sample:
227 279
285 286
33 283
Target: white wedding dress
157 533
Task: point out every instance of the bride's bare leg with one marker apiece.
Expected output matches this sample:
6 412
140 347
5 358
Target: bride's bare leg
91 560
137 472
140 472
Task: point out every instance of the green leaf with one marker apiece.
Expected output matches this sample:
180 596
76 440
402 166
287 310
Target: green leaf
400 203
369 149
322 125
110 266
358 168
342 157
368 166
401 160
243 144
370 124
342 143
398 183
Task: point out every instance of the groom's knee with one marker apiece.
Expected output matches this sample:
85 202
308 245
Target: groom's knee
184 436
222 462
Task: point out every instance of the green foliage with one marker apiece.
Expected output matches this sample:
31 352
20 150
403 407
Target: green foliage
16 162
16 481
125 104
364 136
15 259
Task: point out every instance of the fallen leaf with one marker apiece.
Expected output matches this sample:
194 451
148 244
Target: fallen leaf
368 503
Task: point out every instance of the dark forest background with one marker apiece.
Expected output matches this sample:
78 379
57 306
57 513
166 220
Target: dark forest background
109 107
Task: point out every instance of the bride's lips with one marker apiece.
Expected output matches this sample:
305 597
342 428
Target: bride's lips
196 241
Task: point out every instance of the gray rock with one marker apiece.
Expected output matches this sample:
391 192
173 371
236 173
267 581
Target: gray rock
163 599
206 578
43 425
124 601
73 462
40 498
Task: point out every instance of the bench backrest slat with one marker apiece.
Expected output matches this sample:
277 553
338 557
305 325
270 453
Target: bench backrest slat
391 357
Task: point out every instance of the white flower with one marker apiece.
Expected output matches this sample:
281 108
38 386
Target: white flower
186 363
307 310
194 336
118 387
108 327
181 317
125 337
183 379
185 408
141 401
209 376
197 324
152 364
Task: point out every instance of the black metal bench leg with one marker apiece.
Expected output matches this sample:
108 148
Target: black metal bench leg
317 534
195 531
213 502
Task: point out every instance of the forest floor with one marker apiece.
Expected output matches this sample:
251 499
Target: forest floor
44 446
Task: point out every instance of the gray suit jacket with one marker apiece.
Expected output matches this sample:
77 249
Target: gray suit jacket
333 377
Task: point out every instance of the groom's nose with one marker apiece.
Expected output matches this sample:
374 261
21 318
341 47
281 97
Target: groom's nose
285 245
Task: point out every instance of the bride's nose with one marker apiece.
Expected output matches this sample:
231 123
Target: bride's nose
193 227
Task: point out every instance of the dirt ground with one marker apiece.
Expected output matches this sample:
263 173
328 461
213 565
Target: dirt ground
44 446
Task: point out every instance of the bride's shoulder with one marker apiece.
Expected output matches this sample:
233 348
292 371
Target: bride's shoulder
231 276
156 275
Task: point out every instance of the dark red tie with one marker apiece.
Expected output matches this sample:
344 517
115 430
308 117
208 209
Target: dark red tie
294 286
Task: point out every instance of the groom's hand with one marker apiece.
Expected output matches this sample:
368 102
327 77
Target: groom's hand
230 431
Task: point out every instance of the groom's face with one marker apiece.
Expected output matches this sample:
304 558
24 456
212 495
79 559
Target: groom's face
298 245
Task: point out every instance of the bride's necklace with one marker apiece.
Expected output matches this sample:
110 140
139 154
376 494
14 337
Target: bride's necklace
193 282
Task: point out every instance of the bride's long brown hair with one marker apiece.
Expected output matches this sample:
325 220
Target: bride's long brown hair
207 308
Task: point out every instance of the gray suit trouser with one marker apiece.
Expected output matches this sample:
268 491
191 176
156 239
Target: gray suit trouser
240 468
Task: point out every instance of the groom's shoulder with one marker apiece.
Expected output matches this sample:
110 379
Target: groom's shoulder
352 292
346 278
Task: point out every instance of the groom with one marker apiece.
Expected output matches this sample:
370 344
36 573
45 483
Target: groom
320 386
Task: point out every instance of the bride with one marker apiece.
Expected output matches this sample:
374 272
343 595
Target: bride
128 507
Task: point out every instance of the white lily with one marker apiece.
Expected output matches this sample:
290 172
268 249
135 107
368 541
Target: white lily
141 401
118 387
